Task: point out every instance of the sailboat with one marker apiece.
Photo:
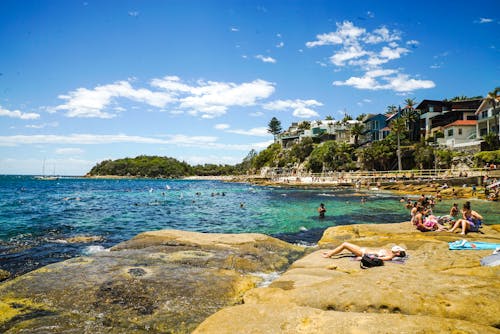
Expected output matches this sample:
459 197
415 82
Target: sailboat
44 177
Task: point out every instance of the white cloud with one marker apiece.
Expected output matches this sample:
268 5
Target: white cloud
84 102
43 125
259 132
222 126
359 49
485 20
209 99
18 114
69 151
351 52
234 29
393 53
389 79
256 114
346 33
301 108
280 45
266 59
133 13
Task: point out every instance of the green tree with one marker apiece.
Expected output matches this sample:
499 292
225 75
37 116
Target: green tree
357 130
274 127
267 157
346 118
391 108
329 118
491 141
302 149
493 99
424 156
412 118
304 125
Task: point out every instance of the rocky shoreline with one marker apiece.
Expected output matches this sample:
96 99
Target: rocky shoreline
181 282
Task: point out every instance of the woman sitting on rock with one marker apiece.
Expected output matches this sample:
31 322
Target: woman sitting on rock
471 221
383 254
426 223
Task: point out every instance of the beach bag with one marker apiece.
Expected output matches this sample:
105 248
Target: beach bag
370 260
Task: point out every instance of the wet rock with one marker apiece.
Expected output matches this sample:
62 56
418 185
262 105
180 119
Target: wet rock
164 281
435 291
4 274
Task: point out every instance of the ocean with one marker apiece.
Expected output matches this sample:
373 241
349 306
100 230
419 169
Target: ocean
42 222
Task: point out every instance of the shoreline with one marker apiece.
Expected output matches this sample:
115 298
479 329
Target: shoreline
455 186
151 281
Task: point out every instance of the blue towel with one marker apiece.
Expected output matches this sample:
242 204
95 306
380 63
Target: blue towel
477 245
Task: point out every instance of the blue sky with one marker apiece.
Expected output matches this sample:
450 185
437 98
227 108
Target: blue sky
84 81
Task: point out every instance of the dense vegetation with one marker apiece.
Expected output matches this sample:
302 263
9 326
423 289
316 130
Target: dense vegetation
161 167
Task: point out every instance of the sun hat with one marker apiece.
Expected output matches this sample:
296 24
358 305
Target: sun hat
396 248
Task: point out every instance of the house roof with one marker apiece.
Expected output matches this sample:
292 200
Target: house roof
462 123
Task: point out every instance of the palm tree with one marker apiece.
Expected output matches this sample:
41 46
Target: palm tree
356 131
398 126
412 116
329 118
391 108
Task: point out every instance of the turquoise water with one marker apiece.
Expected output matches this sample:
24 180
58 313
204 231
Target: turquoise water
37 217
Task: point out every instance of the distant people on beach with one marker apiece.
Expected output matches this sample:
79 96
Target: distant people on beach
471 220
383 254
321 210
454 210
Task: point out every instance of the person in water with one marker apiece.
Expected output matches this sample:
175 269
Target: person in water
321 210
471 221
383 254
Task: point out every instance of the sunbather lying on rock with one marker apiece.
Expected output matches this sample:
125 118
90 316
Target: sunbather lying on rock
383 254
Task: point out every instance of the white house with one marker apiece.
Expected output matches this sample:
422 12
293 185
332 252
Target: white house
459 133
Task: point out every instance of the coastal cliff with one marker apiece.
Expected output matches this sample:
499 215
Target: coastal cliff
181 282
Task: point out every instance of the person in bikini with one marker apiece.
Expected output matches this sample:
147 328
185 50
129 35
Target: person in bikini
471 220
383 254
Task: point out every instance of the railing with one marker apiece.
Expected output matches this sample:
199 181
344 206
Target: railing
374 176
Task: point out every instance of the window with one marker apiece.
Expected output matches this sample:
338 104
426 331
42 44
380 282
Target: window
431 108
450 133
460 131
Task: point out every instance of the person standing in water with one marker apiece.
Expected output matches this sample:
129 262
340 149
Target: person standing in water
321 210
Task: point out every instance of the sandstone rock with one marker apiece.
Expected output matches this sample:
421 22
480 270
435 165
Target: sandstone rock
164 281
436 290
4 274
290 318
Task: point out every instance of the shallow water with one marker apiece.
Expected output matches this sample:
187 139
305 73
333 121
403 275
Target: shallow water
39 218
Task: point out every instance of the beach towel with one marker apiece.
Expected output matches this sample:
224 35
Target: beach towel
477 245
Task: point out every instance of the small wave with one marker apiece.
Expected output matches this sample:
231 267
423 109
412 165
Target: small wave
303 228
94 249
267 278
326 195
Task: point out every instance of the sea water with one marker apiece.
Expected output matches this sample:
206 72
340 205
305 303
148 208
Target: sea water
48 221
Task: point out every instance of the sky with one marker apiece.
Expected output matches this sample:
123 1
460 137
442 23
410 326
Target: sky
199 81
